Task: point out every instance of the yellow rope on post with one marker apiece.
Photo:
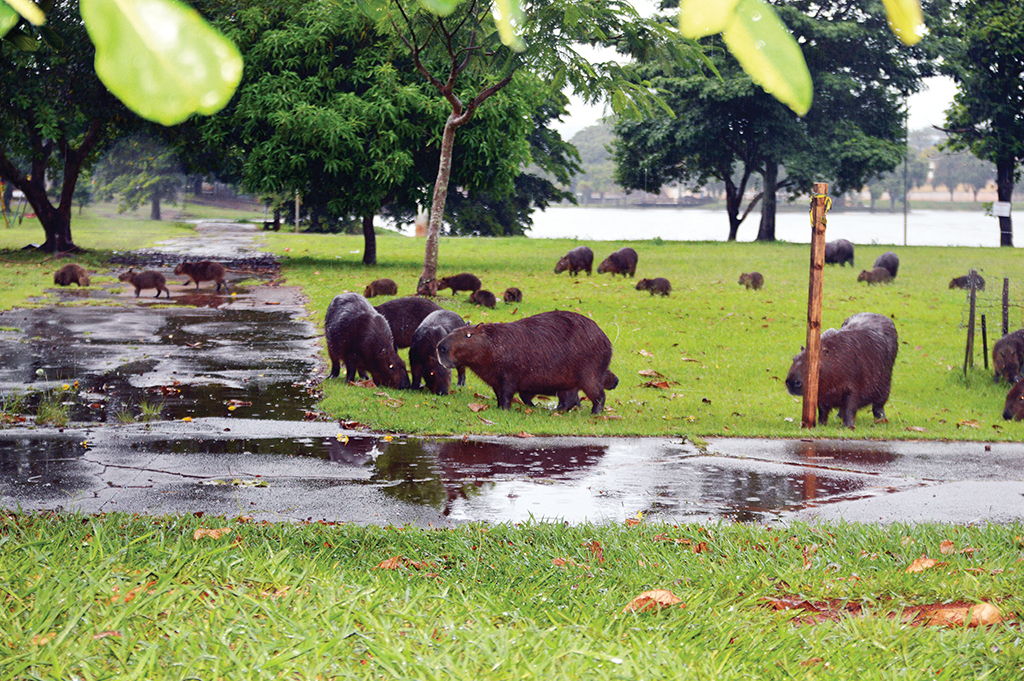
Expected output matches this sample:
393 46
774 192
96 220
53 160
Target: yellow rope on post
828 206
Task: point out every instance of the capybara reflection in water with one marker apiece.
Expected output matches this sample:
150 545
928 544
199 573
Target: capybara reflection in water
578 259
460 282
512 295
752 280
839 252
423 361
360 337
965 282
483 297
204 270
380 287
879 275
855 367
404 315
548 353
1008 356
147 279
622 261
1014 406
890 261
71 274
659 285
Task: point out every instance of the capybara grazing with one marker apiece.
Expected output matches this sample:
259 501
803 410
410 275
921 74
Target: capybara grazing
380 287
622 261
659 285
855 367
1014 407
890 261
965 282
1008 356
483 297
360 337
71 274
147 279
879 275
404 315
204 270
512 295
460 282
423 361
548 353
752 280
578 259
839 252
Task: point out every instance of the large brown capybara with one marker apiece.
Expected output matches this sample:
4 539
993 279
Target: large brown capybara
1013 409
404 315
578 259
460 282
890 261
423 361
622 261
512 295
879 275
659 285
71 274
483 297
147 279
380 287
359 336
548 353
752 280
855 367
965 282
204 270
839 252
1008 356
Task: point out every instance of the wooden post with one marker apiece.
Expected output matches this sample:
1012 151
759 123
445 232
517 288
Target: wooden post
984 342
1006 306
969 353
819 206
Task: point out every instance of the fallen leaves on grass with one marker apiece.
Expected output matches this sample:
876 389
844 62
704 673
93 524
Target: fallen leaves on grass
650 373
956 614
663 385
656 600
215 533
477 407
923 563
397 562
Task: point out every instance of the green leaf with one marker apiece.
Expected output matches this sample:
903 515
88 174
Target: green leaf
51 38
769 54
22 40
25 8
160 58
441 7
905 19
509 14
8 18
699 18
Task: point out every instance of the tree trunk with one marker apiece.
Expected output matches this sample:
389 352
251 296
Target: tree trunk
154 210
369 241
427 285
1004 192
733 196
766 232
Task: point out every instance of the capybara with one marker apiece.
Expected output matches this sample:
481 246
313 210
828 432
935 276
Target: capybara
622 261
360 337
548 353
404 315
965 282
512 295
380 287
839 252
460 282
890 261
879 275
578 259
567 399
71 273
204 270
483 297
752 280
659 285
423 361
1008 356
147 279
1014 407
855 367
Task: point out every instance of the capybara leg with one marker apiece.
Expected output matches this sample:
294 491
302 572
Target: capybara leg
879 412
823 416
335 368
462 376
504 394
596 396
527 398
848 413
568 399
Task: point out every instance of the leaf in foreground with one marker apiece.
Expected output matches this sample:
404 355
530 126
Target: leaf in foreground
656 599
211 533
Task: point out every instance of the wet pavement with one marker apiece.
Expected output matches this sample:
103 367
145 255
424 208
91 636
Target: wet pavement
245 367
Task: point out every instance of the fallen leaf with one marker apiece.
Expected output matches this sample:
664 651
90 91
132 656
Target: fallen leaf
646 354
968 423
947 547
663 385
922 564
487 422
524 434
477 407
650 373
212 534
687 359
982 614
916 429
596 549
43 639
632 522
107 634
654 600
392 563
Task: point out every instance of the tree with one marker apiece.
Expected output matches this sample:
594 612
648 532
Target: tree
598 170
898 182
140 170
953 170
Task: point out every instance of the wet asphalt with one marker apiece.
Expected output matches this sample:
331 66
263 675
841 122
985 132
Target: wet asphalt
244 368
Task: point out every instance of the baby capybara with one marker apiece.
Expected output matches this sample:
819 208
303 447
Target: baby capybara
659 285
752 280
404 315
1008 356
1013 409
380 287
568 399
423 361
204 270
147 279
965 282
622 261
576 260
359 336
483 297
839 252
879 275
512 295
890 261
855 367
551 352
460 282
71 274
